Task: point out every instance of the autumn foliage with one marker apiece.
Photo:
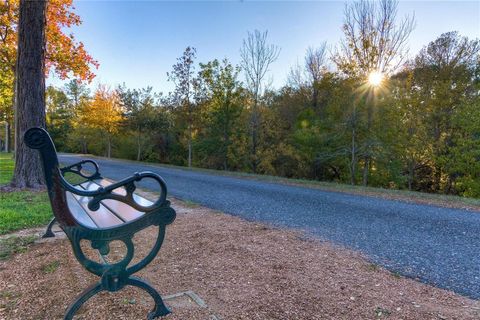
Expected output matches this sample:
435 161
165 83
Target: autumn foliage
65 54
102 114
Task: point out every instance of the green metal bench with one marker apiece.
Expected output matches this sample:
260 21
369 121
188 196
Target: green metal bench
101 212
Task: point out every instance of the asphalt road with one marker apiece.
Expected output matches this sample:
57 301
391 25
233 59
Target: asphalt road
439 246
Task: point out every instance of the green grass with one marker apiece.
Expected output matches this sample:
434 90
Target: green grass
20 209
14 244
6 167
51 267
23 209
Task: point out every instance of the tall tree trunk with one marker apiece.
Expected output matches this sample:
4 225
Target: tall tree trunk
255 126
30 91
315 93
190 125
84 145
353 147
139 146
366 168
109 147
226 143
411 173
189 146
368 155
353 164
7 136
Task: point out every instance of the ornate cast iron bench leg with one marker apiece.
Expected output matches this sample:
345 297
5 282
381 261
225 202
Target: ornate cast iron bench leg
49 233
159 310
114 277
82 298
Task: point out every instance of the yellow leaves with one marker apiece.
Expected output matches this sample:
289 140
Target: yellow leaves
103 112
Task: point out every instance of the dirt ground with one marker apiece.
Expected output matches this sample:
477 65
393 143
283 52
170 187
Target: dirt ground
242 270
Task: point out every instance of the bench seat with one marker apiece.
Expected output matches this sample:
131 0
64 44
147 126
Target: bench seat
111 212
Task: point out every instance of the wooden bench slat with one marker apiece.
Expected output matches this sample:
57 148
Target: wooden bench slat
102 217
122 210
78 212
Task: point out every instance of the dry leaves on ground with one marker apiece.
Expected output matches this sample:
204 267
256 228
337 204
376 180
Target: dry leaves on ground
242 270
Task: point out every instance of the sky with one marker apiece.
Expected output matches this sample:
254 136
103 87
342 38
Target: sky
137 42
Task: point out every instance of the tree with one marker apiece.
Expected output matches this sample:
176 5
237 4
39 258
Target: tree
306 78
78 97
59 118
222 109
315 68
373 43
141 115
76 92
445 80
185 83
30 93
373 40
6 102
257 56
104 115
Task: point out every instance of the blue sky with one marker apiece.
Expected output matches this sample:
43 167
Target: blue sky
137 42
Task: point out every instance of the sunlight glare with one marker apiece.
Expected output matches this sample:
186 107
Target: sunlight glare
375 78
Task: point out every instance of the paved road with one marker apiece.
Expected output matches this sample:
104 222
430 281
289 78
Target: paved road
437 245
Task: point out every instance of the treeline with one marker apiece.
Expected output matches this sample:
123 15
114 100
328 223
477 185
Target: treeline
417 129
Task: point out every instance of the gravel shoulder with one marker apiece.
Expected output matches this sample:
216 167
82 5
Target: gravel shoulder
241 269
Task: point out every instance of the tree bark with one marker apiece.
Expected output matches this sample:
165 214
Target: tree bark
30 91
84 145
255 123
7 136
109 147
411 172
353 148
368 156
353 165
139 145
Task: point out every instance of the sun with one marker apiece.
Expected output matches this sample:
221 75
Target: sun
375 78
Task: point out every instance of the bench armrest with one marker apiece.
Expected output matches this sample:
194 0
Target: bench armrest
76 168
128 184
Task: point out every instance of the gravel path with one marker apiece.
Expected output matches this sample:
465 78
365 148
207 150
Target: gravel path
439 246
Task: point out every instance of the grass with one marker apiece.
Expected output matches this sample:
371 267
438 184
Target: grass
14 244
403 195
51 267
23 209
20 209
6 167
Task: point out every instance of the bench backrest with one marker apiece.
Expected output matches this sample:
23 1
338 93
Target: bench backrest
38 138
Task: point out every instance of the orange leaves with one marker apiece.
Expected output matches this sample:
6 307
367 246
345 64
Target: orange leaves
65 54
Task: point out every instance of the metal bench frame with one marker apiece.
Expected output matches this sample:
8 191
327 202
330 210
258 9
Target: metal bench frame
114 276
76 168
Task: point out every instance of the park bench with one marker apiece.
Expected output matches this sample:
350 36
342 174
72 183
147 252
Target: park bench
102 212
